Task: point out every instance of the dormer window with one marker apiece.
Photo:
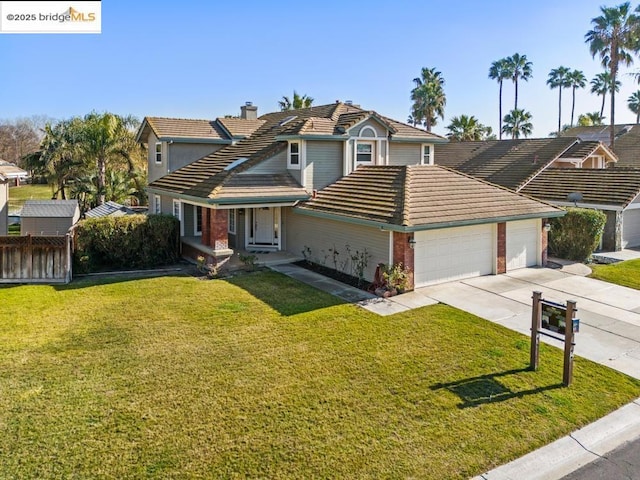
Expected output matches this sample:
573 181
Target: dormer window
293 157
158 152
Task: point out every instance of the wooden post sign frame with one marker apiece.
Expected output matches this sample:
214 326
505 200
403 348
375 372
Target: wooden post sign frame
554 327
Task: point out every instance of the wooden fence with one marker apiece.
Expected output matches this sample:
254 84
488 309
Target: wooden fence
35 259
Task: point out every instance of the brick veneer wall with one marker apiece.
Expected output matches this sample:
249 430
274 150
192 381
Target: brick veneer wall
215 225
501 257
544 243
403 253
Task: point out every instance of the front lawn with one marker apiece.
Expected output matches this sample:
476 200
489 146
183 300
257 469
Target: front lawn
260 376
622 273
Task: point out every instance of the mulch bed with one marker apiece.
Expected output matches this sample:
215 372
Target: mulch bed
335 274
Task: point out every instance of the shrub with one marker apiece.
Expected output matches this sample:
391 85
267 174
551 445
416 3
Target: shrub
132 241
576 235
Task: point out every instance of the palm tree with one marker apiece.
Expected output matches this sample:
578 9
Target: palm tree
633 102
576 80
601 85
299 101
614 38
589 119
520 69
517 123
467 128
428 97
559 78
500 71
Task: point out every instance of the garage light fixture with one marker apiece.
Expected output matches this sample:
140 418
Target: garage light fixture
412 242
547 227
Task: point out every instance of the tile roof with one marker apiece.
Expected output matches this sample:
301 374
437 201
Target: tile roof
110 208
610 186
421 196
204 177
627 146
261 187
183 128
509 163
49 208
582 149
240 127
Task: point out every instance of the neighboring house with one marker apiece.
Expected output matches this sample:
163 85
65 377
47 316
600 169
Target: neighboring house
110 209
4 204
552 169
264 191
48 217
627 140
13 173
615 191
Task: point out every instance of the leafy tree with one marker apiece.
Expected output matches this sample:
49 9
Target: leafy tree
520 69
559 78
298 101
576 80
428 98
500 70
614 37
18 138
633 102
467 128
590 119
517 123
601 85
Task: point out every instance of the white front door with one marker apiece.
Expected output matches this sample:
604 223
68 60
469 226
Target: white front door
265 226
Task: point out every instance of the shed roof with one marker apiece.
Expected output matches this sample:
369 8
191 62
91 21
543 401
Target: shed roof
49 208
109 209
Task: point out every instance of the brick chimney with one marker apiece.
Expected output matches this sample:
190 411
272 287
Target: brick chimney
248 111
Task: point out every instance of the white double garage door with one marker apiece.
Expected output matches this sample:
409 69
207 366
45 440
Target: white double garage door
462 252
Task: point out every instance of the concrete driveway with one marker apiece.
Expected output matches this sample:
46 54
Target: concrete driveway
609 314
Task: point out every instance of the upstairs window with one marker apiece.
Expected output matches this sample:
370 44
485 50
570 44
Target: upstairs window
158 152
364 153
293 159
426 155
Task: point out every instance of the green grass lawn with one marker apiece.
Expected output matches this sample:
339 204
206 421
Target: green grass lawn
260 376
623 273
17 195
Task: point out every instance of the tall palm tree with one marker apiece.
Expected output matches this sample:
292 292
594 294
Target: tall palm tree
517 123
601 85
589 119
467 128
521 69
428 97
614 39
299 101
559 78
576 80
500 70
633 102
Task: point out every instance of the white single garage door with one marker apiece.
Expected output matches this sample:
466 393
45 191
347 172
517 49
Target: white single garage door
453 254
522 243
631 228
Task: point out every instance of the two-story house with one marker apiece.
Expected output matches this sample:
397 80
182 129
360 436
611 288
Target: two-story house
323 178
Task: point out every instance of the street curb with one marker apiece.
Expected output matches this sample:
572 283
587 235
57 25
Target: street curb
564 456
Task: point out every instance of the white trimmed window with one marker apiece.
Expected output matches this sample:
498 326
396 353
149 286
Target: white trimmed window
293 156
198 220
364 153
177 210
427 155
157 204
158 152
232 222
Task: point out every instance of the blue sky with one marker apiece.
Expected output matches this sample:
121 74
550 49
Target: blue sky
203 59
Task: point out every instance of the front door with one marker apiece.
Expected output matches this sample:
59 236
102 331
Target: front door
264 227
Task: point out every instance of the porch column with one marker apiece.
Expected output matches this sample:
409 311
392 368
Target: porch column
501 252
403 253
215 225
544 242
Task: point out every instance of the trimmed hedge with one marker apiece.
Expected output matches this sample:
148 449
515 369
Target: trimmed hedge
576 235
131 241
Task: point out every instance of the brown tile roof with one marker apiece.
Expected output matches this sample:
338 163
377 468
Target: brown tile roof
421 196
185 128
627 146
509 163
260 187
581 150
610 186
240 127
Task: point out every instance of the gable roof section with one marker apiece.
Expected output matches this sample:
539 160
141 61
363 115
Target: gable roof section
182 129
509 163
627 141
586 148
239 127
49 208
611 186
420 197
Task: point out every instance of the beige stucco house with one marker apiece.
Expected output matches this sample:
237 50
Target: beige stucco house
337 177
